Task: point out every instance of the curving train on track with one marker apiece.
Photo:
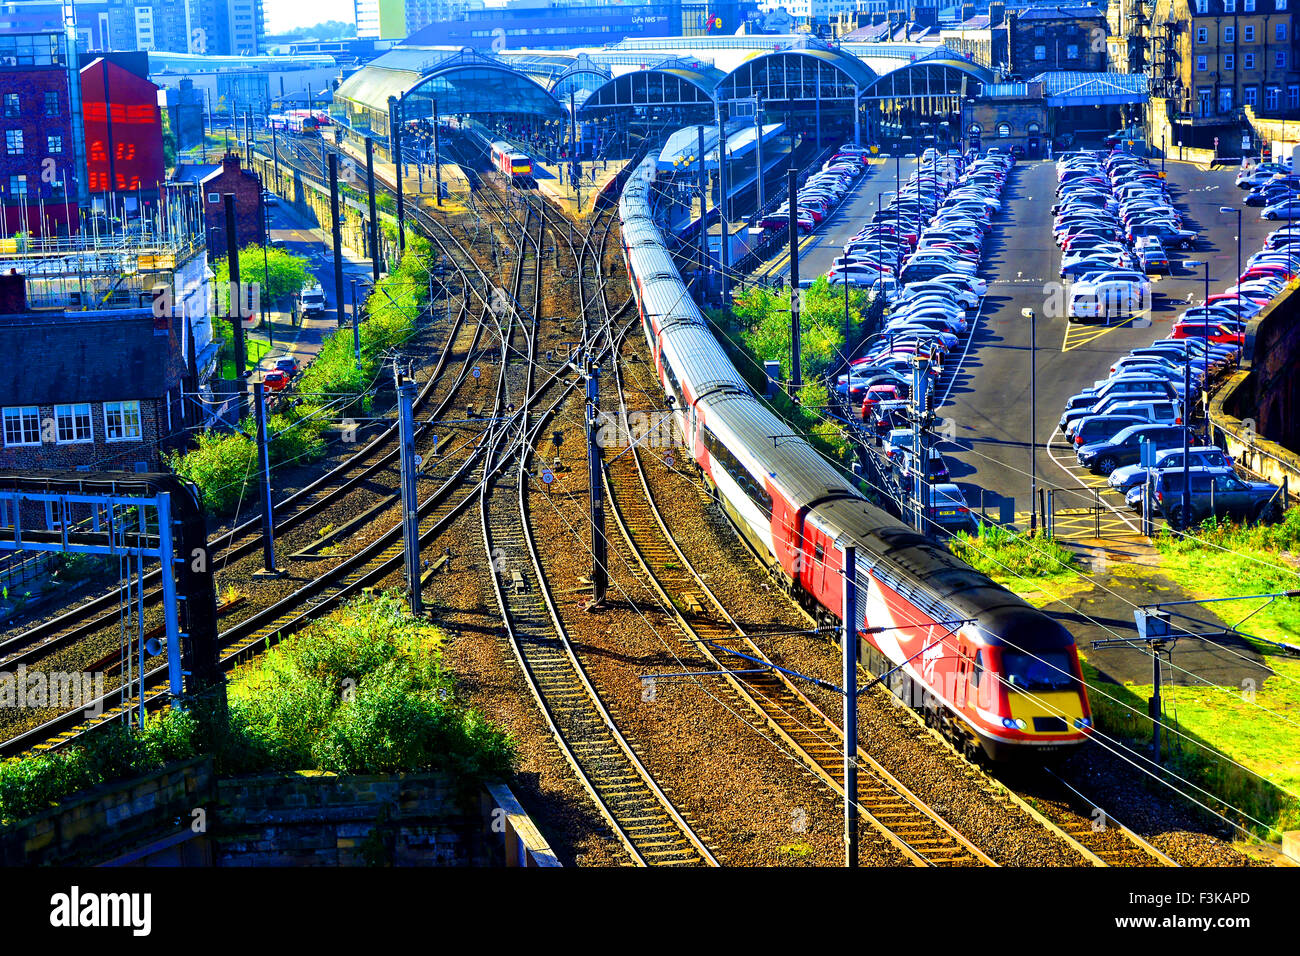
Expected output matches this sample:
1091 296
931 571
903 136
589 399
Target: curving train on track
991 671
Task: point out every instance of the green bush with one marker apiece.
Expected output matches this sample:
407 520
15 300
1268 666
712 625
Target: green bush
1007 557
360 691
221 466
284 273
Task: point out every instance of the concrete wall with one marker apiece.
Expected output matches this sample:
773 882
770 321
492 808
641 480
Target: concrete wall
1255 412
184 815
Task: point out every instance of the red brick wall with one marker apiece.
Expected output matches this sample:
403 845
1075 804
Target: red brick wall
247 187
31 86
99 455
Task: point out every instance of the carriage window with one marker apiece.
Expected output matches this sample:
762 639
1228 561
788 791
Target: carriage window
739 473
819 553
978 669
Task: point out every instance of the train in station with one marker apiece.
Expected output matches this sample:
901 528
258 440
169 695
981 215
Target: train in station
299 122
506 159
999 677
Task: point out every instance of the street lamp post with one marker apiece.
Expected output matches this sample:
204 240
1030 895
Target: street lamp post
1033 420
1237 210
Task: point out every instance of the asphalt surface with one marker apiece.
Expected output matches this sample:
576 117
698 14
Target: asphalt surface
990 401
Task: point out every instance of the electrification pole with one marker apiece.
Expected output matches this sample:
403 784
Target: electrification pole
264 468
410 504
724 208
437 166
704 211
599 546
236 306
796 359
374 218
1033 420
850 684
395 142
337 232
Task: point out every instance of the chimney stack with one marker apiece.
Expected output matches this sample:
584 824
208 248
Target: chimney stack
997 13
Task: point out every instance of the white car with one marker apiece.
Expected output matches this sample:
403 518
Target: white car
1108 298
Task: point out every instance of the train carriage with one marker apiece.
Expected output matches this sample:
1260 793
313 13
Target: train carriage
995 673
506 159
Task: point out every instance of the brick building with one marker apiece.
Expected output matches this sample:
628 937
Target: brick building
1010 114
213 182
1043 39
105 394
39 165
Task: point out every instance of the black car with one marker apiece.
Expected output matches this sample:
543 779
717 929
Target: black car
1126 448
1214 492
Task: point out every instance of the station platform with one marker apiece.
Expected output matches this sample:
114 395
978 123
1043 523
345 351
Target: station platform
420 180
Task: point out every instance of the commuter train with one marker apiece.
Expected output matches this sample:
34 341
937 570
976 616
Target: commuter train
506 159
303 122
998 676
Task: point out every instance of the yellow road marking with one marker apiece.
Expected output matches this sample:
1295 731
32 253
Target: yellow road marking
785 256
1077 336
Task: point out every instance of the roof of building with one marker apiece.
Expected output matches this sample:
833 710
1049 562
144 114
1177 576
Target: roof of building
1006 90
1070 88
195 172
1059 13
85 357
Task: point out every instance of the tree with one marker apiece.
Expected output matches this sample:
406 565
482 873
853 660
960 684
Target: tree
765 319
286 274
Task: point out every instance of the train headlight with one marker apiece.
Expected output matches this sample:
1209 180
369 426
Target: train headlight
1082 722
1013 723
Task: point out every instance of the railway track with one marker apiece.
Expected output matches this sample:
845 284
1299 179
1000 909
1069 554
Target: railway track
650 827
899 817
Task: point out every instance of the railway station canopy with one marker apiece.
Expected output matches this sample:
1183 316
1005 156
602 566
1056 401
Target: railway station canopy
898 86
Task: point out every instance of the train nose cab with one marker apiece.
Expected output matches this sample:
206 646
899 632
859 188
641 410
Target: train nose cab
1037 697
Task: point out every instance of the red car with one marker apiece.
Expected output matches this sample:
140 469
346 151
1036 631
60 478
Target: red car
276 381
877 394
1218 333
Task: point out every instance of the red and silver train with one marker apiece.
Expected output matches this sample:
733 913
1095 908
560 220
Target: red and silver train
304 122
506 159
994 673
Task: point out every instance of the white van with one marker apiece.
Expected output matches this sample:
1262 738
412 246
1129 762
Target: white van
312 299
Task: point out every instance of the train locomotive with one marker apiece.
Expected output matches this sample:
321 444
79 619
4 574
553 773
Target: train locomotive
506 159
997 676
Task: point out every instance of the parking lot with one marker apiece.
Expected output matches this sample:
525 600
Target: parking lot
989 403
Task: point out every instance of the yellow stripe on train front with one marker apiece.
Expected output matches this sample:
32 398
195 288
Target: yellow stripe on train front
1061 703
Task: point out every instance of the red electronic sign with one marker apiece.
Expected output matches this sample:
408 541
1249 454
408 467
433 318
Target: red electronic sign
124 151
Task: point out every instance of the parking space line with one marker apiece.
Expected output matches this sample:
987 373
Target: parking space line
1077 336
1078 474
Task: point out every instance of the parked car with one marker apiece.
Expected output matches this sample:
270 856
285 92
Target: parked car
276 380
949 511
1125 448
1213 493
288 365
1201 456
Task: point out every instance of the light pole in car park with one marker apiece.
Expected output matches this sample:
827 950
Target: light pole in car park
1033 420
1185 509
1230 210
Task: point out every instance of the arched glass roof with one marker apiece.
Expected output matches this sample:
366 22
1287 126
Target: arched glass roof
462 80
667 84
810 71
929 76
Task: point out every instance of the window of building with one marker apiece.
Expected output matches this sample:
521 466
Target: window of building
18 186
1072 51
1248 6
1004 130
1280 61
1248 61
1225 99
1202 64
1281 4
1248 33
1250 95
52 103
73 423
1229 34
122 421
54 144
1202 34
1040 52
1281 31
1272 98
1202 6
1229 6
1293 95
22 425
1227 61
14 142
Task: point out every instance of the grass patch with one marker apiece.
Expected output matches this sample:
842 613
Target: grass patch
1013 560
361 691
